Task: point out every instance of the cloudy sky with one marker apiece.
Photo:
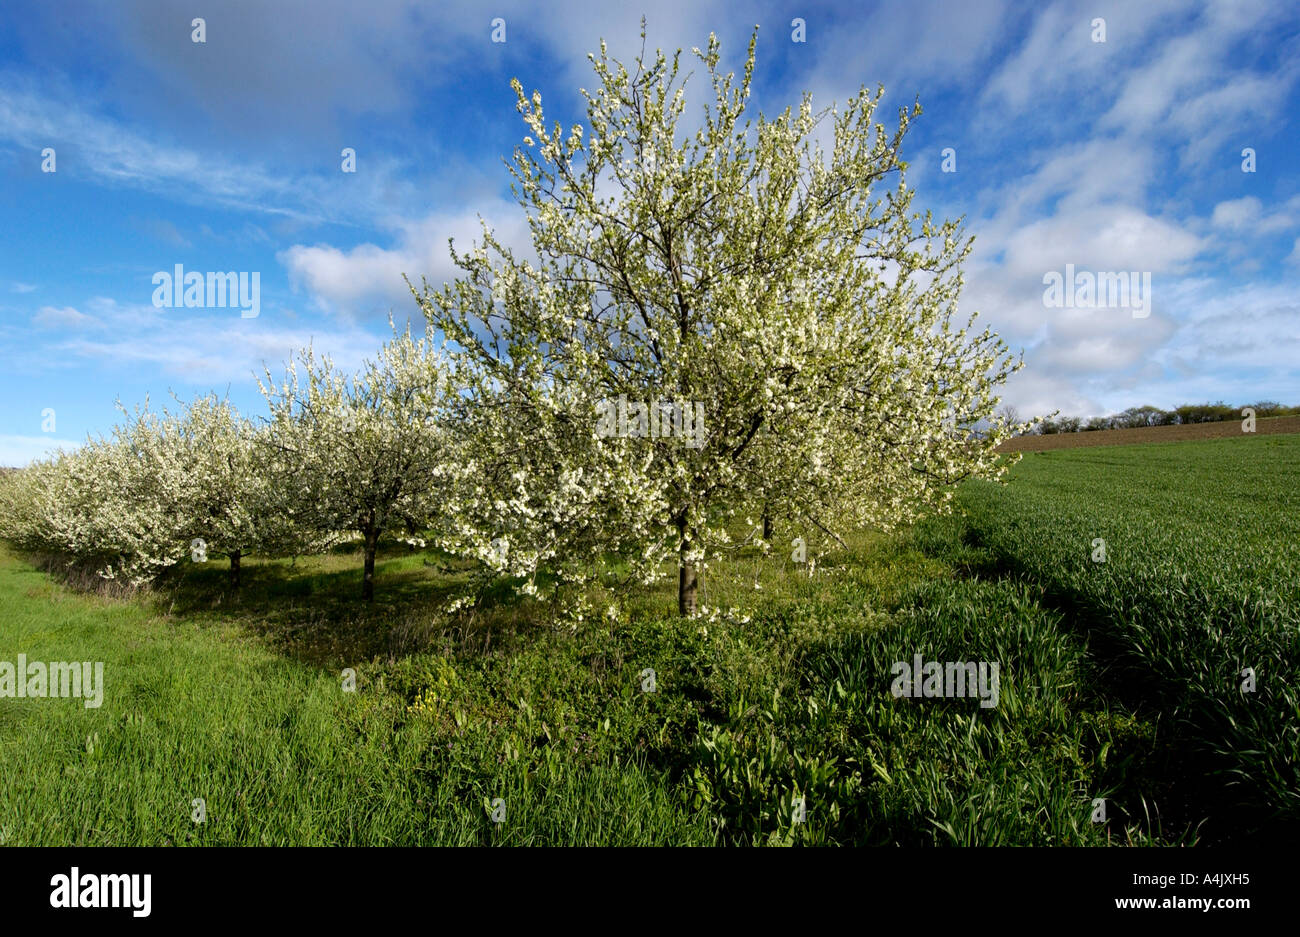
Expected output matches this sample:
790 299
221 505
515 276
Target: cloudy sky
1117 156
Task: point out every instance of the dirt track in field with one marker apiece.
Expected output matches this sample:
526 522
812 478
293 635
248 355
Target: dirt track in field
1129 437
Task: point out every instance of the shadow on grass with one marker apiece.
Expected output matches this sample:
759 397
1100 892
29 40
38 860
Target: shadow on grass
311 609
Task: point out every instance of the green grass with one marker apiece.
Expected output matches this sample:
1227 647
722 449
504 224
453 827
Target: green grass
200 708
1112 686
1201 580
237 699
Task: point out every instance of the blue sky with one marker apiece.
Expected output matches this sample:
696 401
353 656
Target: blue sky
1123 155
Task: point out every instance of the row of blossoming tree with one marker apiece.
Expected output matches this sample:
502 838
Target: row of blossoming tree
790 299
338 456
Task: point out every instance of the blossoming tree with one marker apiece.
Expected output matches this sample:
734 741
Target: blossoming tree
364 453
736 265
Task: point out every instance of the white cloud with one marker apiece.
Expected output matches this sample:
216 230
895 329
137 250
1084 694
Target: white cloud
1231 111
210 350
1247 214
1036 394
1100 239
119 155
1237 214
343 277
53 317
339 279
1099 341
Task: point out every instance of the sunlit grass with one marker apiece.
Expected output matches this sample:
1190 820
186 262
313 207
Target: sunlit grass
779 693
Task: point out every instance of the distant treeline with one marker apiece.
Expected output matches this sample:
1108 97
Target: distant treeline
1135 417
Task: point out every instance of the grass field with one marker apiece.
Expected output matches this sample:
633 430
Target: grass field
1201 580
1119 681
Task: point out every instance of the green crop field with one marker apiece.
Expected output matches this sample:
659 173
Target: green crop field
1195 607
1121 687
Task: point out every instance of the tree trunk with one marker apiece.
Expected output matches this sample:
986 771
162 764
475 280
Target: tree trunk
687 577
234 568
368 583
767 528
